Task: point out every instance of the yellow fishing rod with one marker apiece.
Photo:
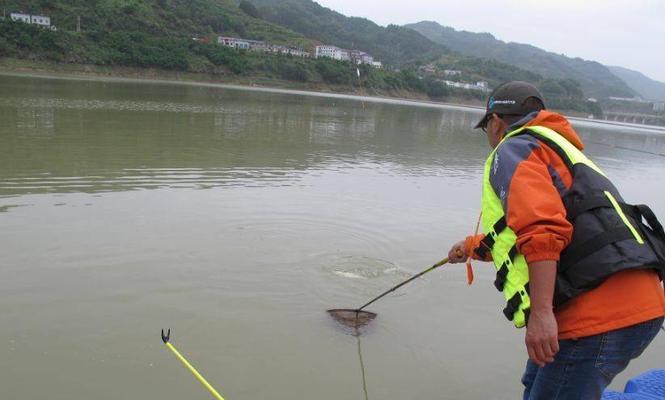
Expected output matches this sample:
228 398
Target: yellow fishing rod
213 392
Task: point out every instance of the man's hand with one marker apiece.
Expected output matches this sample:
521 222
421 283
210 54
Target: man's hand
541 339
457 254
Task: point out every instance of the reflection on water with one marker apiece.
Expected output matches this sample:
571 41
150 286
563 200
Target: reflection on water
362 368
238 217
105 137
624 138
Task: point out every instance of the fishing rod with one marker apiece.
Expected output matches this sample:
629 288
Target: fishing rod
213 392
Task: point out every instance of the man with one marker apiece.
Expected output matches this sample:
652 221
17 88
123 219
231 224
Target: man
577 265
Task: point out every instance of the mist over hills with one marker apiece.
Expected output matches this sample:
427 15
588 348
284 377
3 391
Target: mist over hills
595 79
647 88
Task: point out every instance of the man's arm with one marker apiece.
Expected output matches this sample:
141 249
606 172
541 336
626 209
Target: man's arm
524 178
542 331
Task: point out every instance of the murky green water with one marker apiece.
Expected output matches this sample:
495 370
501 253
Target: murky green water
236 218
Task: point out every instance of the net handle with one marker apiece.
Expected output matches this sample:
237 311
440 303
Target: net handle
418 275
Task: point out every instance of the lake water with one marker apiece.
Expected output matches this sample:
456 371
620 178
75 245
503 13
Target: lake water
235 218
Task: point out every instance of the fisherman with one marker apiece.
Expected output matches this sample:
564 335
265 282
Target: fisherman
578 266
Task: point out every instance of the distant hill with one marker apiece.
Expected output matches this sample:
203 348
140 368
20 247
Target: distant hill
393 45
646 87
595 79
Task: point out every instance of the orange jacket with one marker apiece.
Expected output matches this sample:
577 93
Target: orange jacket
533 205
535 212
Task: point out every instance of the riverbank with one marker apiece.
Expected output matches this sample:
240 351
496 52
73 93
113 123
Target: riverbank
53 69
45 69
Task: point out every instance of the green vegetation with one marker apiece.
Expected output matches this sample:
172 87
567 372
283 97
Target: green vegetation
249 9
393 45
159 34
406 48
474 69
138 49
159 18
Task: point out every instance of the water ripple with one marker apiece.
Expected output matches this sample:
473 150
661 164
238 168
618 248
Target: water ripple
149 178
113 105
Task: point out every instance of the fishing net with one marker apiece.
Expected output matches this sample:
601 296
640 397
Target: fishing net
352 318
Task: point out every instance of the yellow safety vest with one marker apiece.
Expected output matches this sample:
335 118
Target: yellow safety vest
602 203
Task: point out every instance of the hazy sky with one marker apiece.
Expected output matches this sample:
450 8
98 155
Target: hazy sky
627 33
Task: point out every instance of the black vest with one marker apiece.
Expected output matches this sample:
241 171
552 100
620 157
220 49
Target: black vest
602 242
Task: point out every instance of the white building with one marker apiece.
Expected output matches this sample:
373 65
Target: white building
377 64
20 17
360 57
467 86
428 69
236 43
333 52
336 53
40 20
294 51
257 45
629 99
483 84
298 52
32 19
659 106
451 72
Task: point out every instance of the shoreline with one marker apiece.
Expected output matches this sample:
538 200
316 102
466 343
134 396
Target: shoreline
15 67
51 70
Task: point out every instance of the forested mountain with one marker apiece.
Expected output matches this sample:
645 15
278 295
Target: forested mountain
159 33
165 18
145 33
405 48
595 79
393 45
643 85
141 33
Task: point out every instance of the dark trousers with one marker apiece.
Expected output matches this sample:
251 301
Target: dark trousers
584 367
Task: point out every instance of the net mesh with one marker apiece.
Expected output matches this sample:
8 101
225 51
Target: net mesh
352 318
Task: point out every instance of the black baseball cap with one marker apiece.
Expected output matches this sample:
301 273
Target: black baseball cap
509 98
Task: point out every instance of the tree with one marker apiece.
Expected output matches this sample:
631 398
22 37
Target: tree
293 71
249 9
336 72
436 89
5 48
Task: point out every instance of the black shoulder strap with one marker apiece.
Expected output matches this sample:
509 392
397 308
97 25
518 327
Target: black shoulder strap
651 219
653 233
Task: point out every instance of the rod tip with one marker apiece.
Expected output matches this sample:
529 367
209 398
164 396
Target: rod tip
165 338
